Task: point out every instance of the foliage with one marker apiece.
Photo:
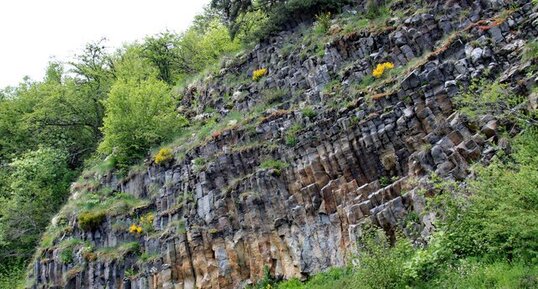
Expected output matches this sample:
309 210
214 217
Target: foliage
381 68
479 225
483 97
12 275
273 96
279 13
118 252
90 221
163 156
38 184
139 113
259 73
374 9
323 22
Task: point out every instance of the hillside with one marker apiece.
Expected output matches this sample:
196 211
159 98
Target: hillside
296 147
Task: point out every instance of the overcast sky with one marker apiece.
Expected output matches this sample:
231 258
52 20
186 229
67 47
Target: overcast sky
33 31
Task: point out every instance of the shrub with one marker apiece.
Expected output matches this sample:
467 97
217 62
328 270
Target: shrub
259 73
146 222
90 221
323 22
163 156
483 97
381 68
140 113
135 229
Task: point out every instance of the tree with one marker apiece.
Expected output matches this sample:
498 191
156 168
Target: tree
139 111
161 51
38 186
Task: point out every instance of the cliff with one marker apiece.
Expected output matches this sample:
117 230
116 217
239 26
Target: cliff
302 159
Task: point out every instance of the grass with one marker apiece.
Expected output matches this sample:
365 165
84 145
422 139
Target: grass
118 252
291 134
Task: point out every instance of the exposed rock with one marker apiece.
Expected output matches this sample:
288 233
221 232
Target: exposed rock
218 224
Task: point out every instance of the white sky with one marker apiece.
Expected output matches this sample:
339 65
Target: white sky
33 31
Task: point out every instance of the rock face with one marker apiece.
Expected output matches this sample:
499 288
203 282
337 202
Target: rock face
221 216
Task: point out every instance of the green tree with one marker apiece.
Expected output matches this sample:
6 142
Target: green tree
38 186
139 111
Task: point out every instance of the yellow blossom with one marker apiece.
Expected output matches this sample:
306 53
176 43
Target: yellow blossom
381 68
259 73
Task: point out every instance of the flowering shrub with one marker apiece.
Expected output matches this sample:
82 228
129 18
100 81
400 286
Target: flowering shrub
145 224
259 73
135 229
381 68
163 156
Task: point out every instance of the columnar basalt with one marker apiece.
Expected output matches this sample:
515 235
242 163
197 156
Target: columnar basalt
219 222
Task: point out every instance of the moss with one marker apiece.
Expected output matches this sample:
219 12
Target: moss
90 221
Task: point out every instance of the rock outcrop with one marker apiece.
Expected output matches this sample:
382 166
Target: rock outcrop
222 212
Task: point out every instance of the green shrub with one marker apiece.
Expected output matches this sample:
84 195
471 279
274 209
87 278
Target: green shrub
323 22
483 97
140 113
480 225
90 221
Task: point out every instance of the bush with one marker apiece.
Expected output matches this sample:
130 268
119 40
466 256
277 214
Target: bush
499 220
381 69
323 22
164 156
259 73
90 221
140 113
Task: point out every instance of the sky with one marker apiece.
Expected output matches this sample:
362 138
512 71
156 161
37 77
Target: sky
32 32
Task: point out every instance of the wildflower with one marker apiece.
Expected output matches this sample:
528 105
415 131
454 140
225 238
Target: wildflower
135 229
259 73
381 68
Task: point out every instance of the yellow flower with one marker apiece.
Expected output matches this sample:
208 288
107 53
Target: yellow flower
163 156
381 68
135 229
132 228
259 73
